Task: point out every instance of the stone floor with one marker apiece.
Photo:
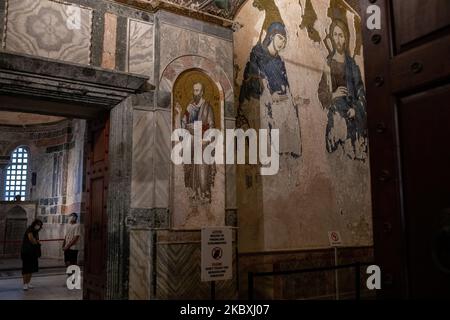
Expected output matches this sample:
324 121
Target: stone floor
16 263
49 283
47 286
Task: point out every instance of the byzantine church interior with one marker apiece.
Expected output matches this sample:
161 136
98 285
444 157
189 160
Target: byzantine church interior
91 93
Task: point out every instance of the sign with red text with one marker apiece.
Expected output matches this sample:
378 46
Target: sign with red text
217 258
335 238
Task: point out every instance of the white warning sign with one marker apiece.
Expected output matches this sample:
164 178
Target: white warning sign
217 259
335 238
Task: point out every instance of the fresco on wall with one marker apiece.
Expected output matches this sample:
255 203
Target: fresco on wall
197 186
265 79
271 15
342 94
300 62
309 18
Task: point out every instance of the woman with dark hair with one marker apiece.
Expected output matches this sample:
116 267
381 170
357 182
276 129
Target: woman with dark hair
30 253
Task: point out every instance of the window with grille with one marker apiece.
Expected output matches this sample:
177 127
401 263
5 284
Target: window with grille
16 177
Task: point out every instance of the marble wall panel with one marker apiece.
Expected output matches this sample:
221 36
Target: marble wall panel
189 42
49 29
143 177
178 273
109 41
162 150
139 287
140 48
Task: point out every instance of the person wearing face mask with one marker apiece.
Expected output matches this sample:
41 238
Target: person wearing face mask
71 244
30 252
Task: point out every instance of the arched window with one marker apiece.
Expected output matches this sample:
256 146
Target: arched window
16 177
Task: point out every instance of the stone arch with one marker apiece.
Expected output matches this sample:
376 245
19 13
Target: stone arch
168 78
188 62
17 213
28 144
15 227
31 149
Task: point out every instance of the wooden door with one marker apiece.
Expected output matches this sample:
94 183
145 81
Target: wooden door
15 229
94 277
408 96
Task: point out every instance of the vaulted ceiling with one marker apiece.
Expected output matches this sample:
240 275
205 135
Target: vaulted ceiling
24 119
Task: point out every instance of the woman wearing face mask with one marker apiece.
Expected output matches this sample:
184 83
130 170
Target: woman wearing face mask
30 253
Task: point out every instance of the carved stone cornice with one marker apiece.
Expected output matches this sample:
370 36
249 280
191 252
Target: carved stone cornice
35 78
220 12
204 10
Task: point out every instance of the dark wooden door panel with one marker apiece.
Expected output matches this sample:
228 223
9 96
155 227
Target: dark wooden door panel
408 106
421 66
97 254
424 133
15 228
99 146
94 283
415 20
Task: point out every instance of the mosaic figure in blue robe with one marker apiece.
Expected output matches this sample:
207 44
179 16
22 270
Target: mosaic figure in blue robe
342 94
265 79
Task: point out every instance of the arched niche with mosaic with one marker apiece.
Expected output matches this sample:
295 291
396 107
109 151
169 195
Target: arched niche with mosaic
198 190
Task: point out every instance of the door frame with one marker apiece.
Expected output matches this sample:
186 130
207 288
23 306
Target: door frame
94 283
89 92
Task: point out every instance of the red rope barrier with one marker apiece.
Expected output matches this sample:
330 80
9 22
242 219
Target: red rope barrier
20 241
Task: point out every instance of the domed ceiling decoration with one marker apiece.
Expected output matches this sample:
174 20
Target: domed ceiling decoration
25 119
